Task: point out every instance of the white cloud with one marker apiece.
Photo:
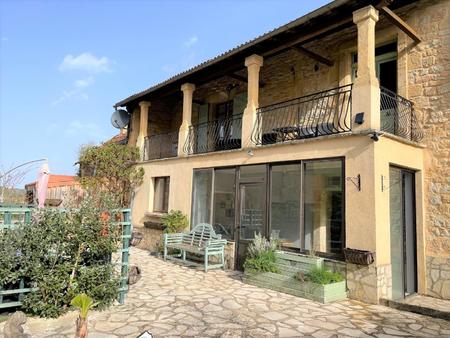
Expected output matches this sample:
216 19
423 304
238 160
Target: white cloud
76 93
4 38
86 62
83 83
73 94
191 41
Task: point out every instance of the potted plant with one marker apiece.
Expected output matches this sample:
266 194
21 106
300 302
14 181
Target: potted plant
84 303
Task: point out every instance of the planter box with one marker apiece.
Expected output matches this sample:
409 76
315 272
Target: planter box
287 284
291 263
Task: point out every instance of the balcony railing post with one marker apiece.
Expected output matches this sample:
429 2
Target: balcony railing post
366 89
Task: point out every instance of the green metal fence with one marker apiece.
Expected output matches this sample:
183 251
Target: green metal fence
10 217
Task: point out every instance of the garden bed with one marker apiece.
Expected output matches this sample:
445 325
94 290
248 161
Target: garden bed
287 284
288 266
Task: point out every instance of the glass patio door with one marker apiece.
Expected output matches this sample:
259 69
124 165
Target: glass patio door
403 234
251 217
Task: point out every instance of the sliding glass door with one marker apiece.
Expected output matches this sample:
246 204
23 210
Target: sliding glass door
323 206
301 204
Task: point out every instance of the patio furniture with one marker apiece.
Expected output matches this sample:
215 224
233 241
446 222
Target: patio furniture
201 240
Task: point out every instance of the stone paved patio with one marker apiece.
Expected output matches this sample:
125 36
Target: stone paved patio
173 301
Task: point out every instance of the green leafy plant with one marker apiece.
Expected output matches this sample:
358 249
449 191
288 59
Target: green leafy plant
175 221
261 255
62 253
264 262
84 303
111 167
320 276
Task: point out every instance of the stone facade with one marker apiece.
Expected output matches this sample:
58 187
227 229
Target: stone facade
438 277
369 283
428 86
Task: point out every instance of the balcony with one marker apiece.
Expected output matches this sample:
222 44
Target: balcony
323 113
161 146
398 116
217 135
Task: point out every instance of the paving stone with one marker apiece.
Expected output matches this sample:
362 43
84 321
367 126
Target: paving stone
231 304
285 332
276 316
178 301
126 330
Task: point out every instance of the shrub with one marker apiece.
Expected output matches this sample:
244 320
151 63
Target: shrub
111 167
63 254
261 255
175 221
321 276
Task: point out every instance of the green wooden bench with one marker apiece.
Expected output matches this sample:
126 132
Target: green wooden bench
201 240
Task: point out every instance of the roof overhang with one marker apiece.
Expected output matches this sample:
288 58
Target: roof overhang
325 20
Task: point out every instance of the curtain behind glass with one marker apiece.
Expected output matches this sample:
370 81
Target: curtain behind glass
224 197
285 204
323 206
201 197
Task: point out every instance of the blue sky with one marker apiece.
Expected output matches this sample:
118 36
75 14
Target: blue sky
65 63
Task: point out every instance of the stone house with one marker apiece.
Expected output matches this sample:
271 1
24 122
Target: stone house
329 132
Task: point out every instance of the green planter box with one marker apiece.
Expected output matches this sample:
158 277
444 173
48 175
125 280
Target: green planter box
288 284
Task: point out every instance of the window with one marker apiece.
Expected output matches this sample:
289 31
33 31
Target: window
323 206
303 209
161 197
201 196
224 205
285 204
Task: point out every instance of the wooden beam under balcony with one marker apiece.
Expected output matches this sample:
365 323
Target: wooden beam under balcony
243 79
397 21
314 56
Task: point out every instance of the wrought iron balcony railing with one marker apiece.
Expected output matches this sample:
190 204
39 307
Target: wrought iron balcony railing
323 113
221 134
398 116
161 146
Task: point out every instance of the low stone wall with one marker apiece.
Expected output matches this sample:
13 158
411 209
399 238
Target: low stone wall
438 277
151 238
369 283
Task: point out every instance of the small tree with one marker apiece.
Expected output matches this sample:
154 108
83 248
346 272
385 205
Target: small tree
111 167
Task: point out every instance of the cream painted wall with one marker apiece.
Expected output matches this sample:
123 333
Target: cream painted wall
367 211
388 152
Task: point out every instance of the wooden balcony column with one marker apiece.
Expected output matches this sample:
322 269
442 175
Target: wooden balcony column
143 126
188 93
366 88
253 64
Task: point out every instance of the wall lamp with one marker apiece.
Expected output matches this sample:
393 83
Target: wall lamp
375 136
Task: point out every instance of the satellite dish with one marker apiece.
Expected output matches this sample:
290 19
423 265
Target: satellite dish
120 118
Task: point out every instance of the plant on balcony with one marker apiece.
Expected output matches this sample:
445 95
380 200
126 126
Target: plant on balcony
261 255
111 168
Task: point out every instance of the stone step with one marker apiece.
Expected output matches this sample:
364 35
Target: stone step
425 305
